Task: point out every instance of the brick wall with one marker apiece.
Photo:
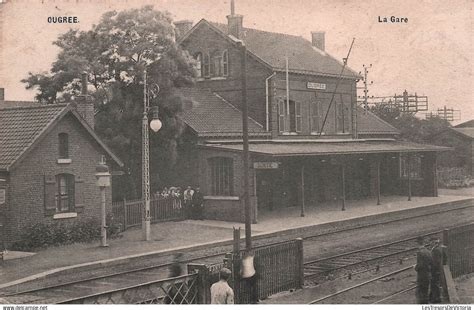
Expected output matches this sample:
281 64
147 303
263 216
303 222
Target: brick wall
204 39
26 204
225 208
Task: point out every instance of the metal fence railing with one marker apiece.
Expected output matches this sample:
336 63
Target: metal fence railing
460 247
130 212
179 290
279 268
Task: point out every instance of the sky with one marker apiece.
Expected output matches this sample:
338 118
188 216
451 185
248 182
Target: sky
431 54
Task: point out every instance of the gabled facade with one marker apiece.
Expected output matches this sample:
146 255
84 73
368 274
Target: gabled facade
48 157
303 149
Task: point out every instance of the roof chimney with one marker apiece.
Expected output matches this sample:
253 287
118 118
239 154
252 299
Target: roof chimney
84 103
234 22
318 39
182 27
2 94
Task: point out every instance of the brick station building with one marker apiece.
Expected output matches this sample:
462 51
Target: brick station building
48 157
294 160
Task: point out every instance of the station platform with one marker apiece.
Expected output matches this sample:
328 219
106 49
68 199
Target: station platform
171 237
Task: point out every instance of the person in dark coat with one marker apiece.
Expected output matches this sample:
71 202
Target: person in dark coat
423 270
198 204
439 258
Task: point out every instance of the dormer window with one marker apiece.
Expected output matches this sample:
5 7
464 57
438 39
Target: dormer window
63 145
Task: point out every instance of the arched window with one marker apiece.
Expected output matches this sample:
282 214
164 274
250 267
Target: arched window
225 63
64 192
221 171
198 58
207 65
63 145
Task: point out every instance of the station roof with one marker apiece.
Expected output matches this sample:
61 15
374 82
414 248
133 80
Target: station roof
322 147
208 114
272 48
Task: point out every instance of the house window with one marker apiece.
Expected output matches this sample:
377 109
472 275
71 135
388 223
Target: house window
63 145
316 116
198 58
295 116
415 167
281 115
64 192
225 63
222 176
207 65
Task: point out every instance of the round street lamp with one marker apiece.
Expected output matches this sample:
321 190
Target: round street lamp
155 125
103 180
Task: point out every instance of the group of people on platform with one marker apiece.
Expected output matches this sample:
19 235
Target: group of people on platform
191 199
429 265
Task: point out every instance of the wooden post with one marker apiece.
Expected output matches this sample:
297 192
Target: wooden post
299 242
236 248
435 175
378 182
343 188
125 214
409 176
204 285
302 191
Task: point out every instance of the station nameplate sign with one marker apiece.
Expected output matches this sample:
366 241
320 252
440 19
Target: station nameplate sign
265 165
313 85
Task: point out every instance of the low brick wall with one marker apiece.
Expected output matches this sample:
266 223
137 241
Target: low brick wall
228 208
223 208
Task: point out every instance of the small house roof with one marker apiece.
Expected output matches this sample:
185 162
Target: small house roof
22 126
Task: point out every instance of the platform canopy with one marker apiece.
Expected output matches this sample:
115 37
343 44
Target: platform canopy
322 147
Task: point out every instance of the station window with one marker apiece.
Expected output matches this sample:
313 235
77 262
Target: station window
222 176
415 167
225 63
207 65
316 116
295 116
198 58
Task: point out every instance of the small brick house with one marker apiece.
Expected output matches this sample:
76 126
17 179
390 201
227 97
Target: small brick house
48 157
310 142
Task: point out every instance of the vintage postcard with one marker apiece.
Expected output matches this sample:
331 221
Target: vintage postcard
236 152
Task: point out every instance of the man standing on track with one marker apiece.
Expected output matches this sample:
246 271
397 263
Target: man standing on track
423 270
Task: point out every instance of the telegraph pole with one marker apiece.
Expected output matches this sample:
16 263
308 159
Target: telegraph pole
365 87
245 135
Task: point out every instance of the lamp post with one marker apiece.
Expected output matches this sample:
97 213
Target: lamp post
155 125
103 180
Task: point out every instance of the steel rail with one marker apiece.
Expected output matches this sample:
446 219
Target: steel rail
7 294
395 294
361 284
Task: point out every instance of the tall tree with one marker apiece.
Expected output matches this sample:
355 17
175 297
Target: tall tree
411 127
115 53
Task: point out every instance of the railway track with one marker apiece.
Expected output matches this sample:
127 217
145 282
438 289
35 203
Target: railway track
363 260
354 261
377 290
